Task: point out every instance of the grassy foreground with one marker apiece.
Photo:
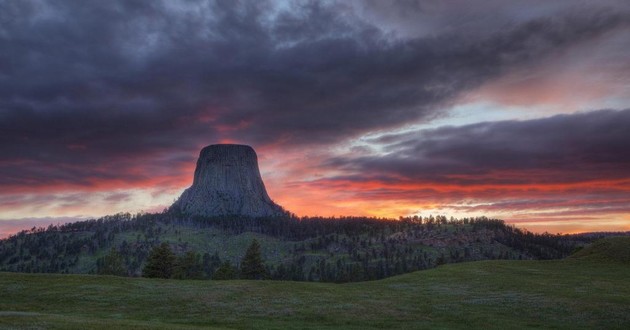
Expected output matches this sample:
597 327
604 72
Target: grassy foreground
586 291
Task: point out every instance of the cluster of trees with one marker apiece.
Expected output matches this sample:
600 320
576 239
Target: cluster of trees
162 262
315 248
251 266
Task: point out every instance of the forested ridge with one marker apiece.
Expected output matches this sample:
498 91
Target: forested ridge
290 248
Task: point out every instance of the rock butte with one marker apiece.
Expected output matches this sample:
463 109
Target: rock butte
227 182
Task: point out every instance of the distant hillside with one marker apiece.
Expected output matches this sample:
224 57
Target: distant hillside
616 249
313 249
206 233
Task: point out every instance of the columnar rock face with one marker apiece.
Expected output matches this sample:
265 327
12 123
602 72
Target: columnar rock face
227 182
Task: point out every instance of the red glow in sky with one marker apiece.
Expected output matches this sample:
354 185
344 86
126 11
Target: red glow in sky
354 108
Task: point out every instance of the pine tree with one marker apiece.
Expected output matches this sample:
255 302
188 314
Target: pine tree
225 272
188 266
161 262
252 267
111 264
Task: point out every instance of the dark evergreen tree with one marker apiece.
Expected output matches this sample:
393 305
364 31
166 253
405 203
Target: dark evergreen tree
188 266
252 267
225 272
161 262
111 264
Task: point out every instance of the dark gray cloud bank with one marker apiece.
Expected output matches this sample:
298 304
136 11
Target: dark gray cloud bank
560 149
90 91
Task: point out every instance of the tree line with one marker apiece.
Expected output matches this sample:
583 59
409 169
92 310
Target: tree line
307 248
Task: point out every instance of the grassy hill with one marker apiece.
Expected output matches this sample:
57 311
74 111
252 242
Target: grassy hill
612 249
574 293
314 249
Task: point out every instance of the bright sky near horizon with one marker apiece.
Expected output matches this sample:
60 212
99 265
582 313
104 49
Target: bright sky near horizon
518 110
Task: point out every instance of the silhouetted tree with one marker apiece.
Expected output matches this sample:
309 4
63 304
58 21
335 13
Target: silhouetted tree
161 262
252 267
225 272
111 264
188 266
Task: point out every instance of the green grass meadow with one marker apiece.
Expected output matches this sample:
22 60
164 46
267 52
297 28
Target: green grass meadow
588 291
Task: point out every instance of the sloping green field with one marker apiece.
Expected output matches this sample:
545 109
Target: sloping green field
585 291
612 249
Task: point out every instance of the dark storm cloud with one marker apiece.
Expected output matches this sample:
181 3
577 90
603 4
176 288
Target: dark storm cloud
558 149
93 90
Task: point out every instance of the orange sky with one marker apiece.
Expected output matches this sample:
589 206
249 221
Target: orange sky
354 108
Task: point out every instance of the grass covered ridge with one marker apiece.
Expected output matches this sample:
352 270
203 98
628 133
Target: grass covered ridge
611 249
572 293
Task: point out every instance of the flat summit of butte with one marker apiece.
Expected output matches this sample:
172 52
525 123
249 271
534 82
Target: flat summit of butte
227 182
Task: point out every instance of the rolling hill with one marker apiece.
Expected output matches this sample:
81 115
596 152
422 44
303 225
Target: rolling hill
574 293
611 249
227 208
313 249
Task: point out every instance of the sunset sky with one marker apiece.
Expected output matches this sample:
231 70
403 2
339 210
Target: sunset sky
518 110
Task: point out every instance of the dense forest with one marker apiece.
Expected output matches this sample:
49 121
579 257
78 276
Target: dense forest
289 248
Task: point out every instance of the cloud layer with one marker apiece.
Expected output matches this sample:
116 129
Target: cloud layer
561 149
122 94
564 167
